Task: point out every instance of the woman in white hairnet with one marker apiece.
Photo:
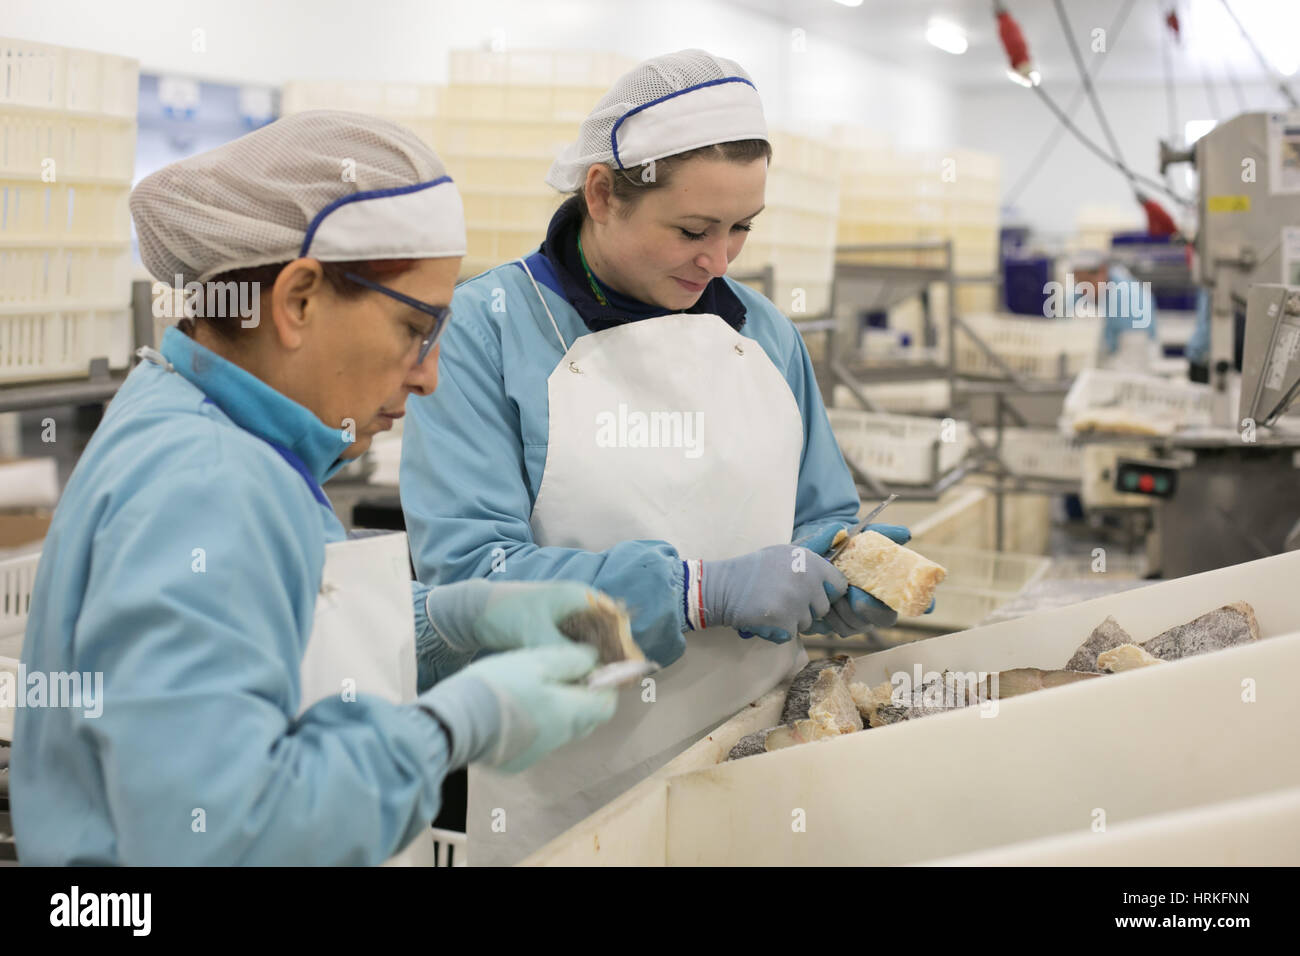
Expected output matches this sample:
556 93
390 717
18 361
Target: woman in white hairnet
273 693
614 409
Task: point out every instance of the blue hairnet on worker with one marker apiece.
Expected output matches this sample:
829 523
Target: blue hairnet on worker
273 693
1107 289
614 409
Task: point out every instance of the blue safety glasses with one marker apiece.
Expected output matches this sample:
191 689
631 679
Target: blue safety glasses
440 313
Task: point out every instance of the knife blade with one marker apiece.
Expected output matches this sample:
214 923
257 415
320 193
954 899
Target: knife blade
858 528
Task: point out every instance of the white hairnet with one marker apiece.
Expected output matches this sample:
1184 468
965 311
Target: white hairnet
334 185
664 106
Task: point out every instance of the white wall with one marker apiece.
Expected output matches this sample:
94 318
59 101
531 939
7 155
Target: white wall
271 41
1012 122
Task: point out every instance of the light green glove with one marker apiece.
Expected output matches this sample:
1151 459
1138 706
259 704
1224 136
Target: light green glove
472 616
510 710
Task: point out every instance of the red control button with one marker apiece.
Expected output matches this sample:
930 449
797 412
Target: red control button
1146 483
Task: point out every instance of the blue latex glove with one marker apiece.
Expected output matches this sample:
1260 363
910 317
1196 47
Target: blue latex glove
773 593
509 710
1133 309
476 615
856 610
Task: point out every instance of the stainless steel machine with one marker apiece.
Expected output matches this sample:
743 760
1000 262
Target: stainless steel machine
1248 203
1237 494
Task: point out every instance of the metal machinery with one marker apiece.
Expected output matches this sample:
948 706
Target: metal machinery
1237 494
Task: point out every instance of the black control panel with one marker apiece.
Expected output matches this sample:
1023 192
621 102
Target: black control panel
1145 478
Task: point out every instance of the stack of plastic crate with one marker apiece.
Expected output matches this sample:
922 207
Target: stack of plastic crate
414 105
1043 349
904 196
67 154
795 234
502 120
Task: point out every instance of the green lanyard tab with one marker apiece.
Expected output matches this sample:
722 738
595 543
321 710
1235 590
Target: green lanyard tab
600 296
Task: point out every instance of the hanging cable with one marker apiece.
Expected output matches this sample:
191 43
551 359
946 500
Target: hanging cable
1269 69
1054 137
1090 91
1210 95
1103 155
1159 222
1242 106
1170 37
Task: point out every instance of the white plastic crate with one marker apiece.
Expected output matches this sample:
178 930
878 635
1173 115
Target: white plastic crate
904 398
397 101
797 227
32 212
493 209
59 276
899 447
36 144
46 345
1038 452
490 172
486 136
525 103
537 67
50 77
805 154
1032 347
801 298
762 249
1164 404
495 246
796 189
978 583
991 570
960 516
17 579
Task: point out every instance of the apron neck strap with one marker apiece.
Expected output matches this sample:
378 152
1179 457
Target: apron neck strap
564 346
154 356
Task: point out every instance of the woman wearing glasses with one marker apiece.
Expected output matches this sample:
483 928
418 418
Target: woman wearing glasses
266 691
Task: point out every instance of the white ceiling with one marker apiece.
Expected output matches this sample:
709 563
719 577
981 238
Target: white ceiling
893 30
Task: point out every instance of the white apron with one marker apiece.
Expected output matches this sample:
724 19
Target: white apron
363 631
723 487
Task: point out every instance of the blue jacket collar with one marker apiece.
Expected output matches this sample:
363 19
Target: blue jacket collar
256 407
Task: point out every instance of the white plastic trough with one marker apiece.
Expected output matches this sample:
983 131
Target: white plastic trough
1165 756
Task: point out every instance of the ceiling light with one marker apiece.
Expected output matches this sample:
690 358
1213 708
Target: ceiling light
946 36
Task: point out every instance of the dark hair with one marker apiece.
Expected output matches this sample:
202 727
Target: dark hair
629 186
374 269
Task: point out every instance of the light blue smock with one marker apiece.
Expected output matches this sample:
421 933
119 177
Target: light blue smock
474 451
199 755
1137 312
1197 349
